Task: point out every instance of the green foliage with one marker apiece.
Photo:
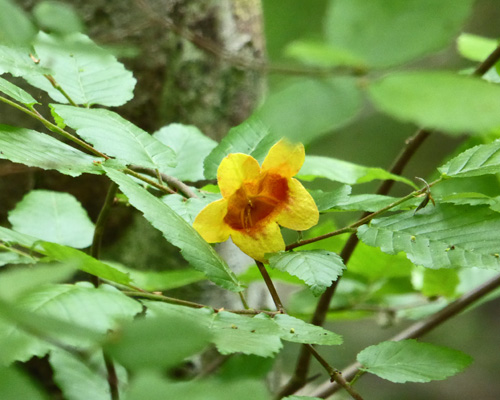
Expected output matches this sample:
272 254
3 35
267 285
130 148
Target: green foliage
177 231
54 217
17 145
112 134
413 260
440 100
412 361
439 237
418 27
317 268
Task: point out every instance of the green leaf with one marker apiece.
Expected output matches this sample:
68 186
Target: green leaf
327 200
142 343
444 236
452 103
380 265
153 386
82 261
418 27
86 72
54 217
321 54
343 171
7 257
474 47
298 331
260 335
250 137
58 17
117 137
478 160
82 381
15 27
308 108
194 249
21 279
16 93
317 268
188 209
12 237
73 314
161 280
412 361
191 147
36 149
440 282
374 202
17 62
15 384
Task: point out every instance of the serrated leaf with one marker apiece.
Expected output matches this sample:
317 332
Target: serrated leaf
7 257
58 17
191 147
194 249
452 103
298 331
82 261
54 217
141 344
248 137
260 335
86 72
317 268
15 26
188 209
474 47
82 381
412 361
73 314
327 200
308 108
12 237
116 136
16 93
17 62
418 27
444 236
374 202
478 160
343 171
153 386
36 149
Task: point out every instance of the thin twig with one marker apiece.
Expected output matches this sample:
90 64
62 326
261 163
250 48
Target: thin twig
270 286
170 180
112 377
151 182
59 88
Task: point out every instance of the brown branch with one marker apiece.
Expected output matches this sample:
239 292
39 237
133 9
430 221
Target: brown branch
270 286
170 180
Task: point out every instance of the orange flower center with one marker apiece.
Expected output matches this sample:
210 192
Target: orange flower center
255 201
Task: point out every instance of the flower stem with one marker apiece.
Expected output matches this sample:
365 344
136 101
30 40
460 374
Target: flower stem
270 287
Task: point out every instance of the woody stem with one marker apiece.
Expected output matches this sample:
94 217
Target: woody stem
270 287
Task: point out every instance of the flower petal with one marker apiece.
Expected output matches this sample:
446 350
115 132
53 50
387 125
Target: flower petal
300 212
284 158
209 223
234 170
259 241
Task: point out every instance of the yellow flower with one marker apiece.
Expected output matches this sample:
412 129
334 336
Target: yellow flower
256 200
